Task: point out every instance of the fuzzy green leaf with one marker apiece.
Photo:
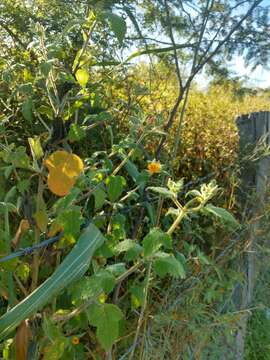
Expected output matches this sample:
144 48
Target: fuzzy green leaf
223 214
106 318
137 295
124 246
134 252
71 221
115 187
88 287
167 264
117 25
76 133
153 241
100 197
27 109
162 191
117 269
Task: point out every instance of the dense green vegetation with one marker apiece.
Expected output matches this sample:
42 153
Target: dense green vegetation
119 176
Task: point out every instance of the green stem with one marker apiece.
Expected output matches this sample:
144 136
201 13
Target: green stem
35 265
144 306
177 221
11 288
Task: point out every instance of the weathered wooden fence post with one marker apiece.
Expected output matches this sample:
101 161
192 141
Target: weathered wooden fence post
253 131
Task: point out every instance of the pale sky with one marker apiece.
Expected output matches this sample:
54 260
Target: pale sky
259 77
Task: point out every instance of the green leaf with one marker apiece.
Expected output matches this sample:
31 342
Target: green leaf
8 171
71 269
88 287
82 77
202 258
42 219
153 241
71 220
223 214
102 116
134 252
117 25
67 201
45 67
175 187
89 207
23 185
85 288
82 59
115 186
26 89
23 271
172 211
55 350
117 269
131 248
36 148
137 295
131 169
7 206
124 246
106 318
46 110
167 264
27 109
162 191
17 157
100 197
151 212
51 331
106 280
76 133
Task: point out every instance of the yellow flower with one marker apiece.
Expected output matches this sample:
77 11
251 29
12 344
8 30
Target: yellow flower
75 340
63 168
154 167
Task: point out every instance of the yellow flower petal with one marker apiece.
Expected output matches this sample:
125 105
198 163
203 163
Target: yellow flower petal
59 183
63 168
70 164
154 167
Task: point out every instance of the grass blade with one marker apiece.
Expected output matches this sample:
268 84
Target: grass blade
72 268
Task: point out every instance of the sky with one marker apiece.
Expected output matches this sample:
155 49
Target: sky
258 78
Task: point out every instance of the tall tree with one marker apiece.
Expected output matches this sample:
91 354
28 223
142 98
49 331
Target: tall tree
198 34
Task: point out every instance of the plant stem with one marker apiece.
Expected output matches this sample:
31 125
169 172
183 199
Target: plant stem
11 289
144 306
35 265
177 221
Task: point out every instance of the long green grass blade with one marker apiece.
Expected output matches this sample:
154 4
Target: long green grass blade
72 268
